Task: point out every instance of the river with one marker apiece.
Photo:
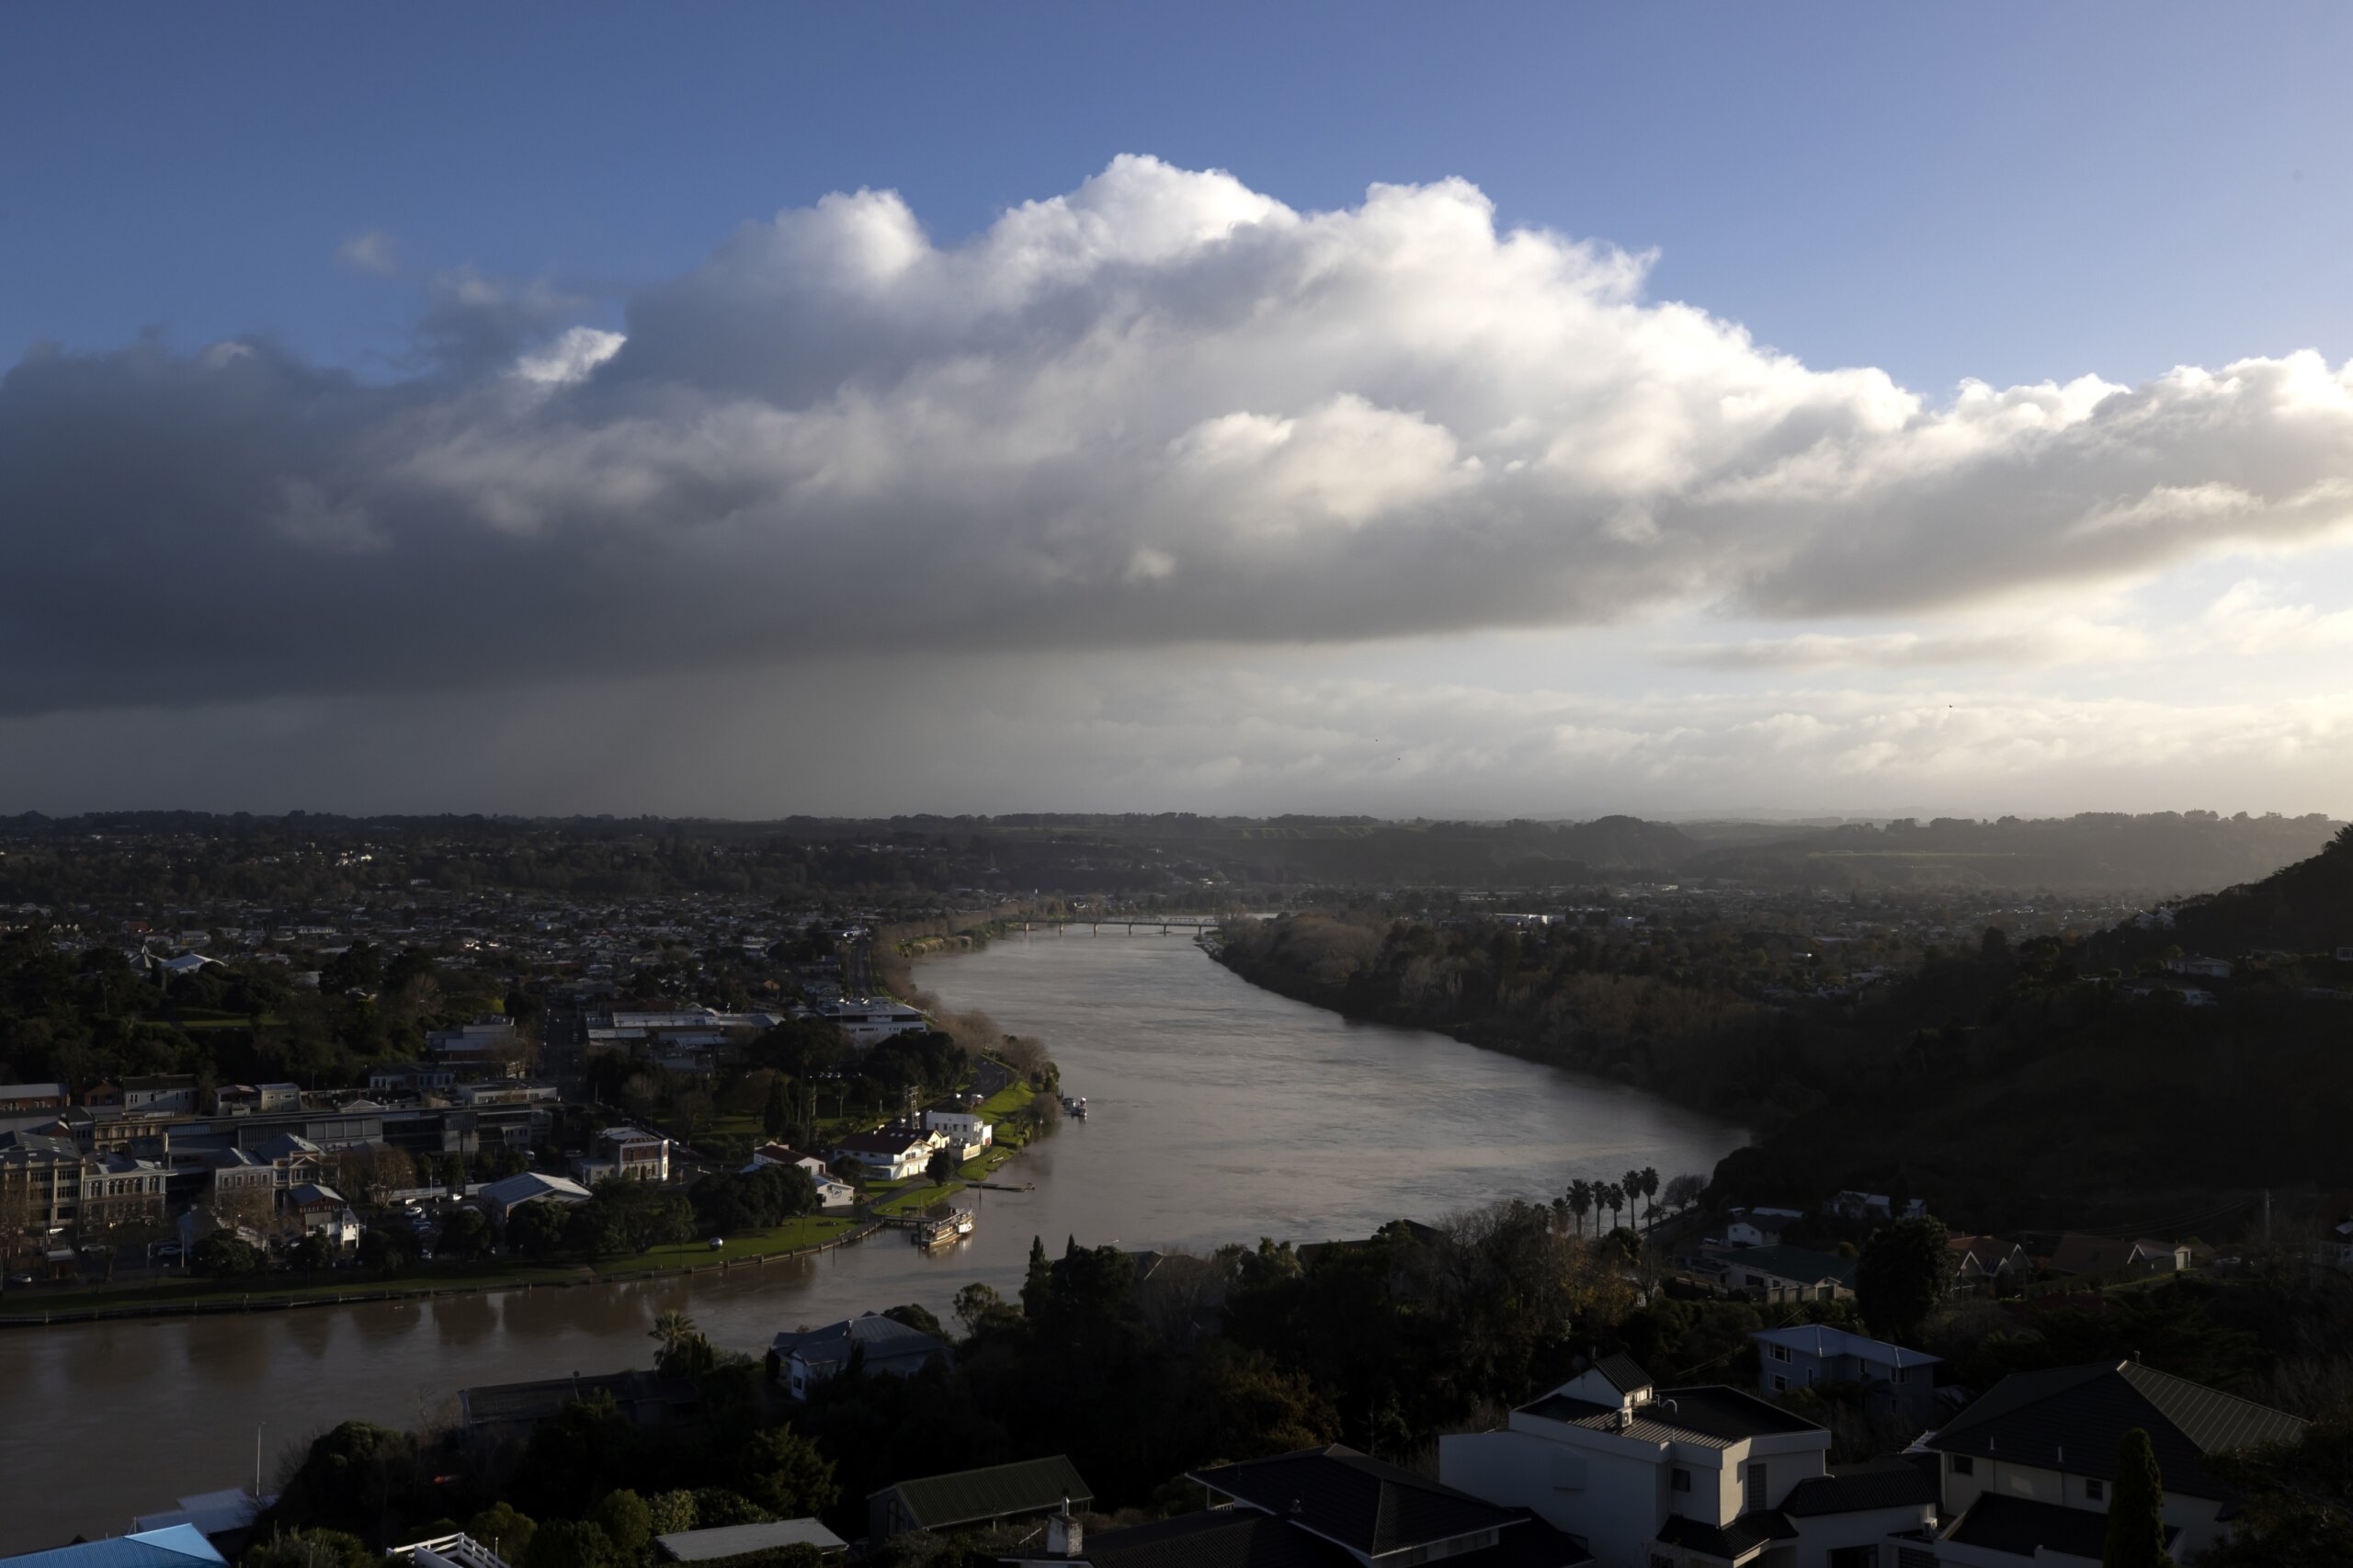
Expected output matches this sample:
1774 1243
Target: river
1219 1112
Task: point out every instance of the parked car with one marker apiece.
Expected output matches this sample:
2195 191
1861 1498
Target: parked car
165 1252
24 1279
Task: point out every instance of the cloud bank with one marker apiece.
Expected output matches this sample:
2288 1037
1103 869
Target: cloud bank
1162 409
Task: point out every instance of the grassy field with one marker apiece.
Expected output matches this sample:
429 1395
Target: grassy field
793 1235
1007 1100
914 1197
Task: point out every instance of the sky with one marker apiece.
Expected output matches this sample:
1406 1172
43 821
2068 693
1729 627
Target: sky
1507 409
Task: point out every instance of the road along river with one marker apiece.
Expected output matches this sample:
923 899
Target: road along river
1218 1112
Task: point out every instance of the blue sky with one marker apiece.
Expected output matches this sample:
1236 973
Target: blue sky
1126 483
2011 192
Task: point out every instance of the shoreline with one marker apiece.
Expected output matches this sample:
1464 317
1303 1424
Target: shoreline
209 1303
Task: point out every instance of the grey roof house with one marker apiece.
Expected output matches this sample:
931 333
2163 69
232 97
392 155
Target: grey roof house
880 1344
965 1499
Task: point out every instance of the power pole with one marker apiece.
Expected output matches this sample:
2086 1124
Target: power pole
2266 1216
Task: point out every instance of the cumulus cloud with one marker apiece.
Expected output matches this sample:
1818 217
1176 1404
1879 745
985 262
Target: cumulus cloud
1163 408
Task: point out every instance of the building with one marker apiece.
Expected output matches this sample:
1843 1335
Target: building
2104 1257
118 1189
411 1078
1986 1260
312 1209
831 1194
17 1098
882 1346
1788 1274
40 1183
1686 1478
724 1542
1329 1508
864 1020
174 1546
968 1130
221 1516
501 1198
1893 1380
625 1153
171 1094
886 1156
968 1499
2026 1471
489 1046
256 1099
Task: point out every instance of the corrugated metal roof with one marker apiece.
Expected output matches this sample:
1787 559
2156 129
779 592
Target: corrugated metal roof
177 1546
968 1496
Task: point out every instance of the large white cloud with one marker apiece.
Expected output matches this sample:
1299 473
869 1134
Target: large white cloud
1163 408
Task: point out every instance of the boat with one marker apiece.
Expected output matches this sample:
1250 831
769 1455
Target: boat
1074 1105
938 1230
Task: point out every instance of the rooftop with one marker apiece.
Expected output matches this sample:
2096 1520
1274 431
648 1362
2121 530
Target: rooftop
1821 1339
969 1497
1356 1500
1713 1415
736 1541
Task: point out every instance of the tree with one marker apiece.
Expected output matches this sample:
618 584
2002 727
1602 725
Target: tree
358 1477
535 1230
672 1330
453 1173
941 1168
977 1304
311 1548
505 1531
1649 1193
466 1233
782 1472
1631 1185
1581 1197
777 1114
313 1251
385 1252
1685 1190
225 1254
570 1544
2296 1498
626 1522
1904 1274
2136 1520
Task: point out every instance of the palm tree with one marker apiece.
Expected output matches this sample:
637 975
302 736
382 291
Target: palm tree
1613 1197
1632 1182
1649 1192
673 1329
1581 1202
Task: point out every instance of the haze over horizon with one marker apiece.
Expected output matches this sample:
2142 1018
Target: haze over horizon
919 427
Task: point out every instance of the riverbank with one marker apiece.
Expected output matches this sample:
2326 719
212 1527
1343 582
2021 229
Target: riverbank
795 1238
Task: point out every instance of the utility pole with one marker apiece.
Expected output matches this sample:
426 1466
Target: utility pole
2266 1216
258 1427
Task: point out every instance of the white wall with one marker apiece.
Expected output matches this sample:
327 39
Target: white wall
1616 1511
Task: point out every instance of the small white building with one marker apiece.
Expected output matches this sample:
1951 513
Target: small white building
501 1198
864 1020
968 1131
1687 1478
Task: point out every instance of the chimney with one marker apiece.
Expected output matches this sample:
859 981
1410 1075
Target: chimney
1064 1535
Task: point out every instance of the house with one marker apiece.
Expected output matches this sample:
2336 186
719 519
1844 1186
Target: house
170 1093
2026 1470
1753 1230
119 1189
968 1498
174 1546
881 1346
888 1156
258 1099
1978 1260
2104 1257
1687 1478
501 1198
831 1194
19 1097
628 1153
968 1132
1893 1378
310 1208
1788 1274
1328 1507
2204 969
1872 1206
724 1542
294 1158
501 1412
412 1078
218 1515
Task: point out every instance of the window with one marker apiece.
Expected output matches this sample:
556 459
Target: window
1781 1383
2094 1489
1963 1465
1755 1488
1779 1352
1679 1478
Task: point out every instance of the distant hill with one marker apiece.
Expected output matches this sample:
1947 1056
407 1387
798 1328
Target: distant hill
2304 908
2157 853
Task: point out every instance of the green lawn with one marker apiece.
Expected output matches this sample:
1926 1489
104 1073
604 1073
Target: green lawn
790 1236
991 1158
1007 1100
914 1198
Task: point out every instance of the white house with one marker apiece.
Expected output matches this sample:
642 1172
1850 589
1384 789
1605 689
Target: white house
968 1130
2026 1471
501 1198
892 1156
630 1153
831 1193
1686 1478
